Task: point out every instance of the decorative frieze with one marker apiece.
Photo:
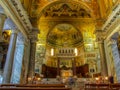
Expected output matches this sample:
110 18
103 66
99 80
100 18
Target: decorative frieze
23 14
12 12
68 10
113 17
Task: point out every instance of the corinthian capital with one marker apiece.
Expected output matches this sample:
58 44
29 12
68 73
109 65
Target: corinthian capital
100 35
35 30
33 36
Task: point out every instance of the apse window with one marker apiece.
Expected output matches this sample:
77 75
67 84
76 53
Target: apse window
52 52
76 52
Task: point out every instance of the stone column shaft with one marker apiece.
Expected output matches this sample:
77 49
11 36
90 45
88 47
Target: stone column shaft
104 71
74 67
2 21
32 59
24 72
9 59
58 67
33 39
100 38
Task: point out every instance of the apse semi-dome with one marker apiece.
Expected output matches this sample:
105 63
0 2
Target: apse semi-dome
64 35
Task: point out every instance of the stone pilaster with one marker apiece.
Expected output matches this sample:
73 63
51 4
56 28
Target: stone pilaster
10 57
100 38
2 21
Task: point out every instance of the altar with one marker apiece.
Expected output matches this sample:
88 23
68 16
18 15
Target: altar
65 62
66 73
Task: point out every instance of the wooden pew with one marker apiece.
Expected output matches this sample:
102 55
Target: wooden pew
97 87
103 86
42 85
115 86
90 87
1 85
33 88
32 85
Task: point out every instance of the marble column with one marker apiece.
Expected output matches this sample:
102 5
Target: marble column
2 21
1 58
25 63
10 57
104 70
32 59
28 58
58 67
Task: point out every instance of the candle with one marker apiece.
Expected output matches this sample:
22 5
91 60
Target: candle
38 79
29 79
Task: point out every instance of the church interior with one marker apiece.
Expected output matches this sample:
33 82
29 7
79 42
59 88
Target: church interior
51 41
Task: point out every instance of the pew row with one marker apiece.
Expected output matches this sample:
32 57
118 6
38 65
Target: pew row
115 86
33 87
102 86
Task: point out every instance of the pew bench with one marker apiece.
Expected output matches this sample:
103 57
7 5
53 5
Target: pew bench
32 85
41 85
115 86
33 88
97 86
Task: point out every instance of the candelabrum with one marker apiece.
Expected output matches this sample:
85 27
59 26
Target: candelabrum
101 79
29 80
34 79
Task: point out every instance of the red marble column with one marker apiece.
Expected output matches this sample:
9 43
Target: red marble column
74 66
58 67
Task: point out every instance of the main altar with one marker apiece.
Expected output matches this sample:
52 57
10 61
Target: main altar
65 64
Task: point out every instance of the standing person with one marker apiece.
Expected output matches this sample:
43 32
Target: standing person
71 81
111 79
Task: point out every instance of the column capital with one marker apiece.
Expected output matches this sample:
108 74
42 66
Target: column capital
26 42
15 30
33 38
100 35
33 35
35 30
